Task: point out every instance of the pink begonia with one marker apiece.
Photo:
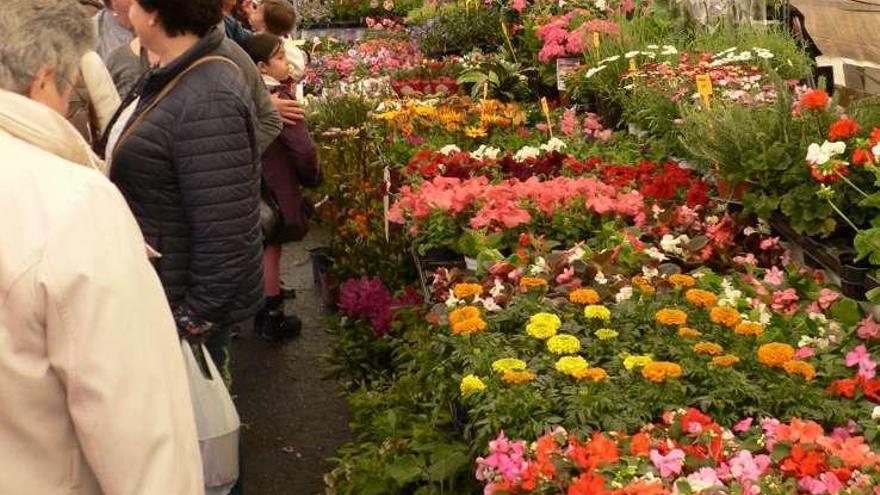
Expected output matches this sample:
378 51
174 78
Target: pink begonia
774 276
769 243
746 468
785 301
770 426
566 276
669 464
868 328
748 259
743 425
827 297
505 458
804 353
568 123
827 483
861 358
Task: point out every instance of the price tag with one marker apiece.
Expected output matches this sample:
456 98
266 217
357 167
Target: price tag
486 90
564 67
386 199
704 87
546 109
597 41
632 65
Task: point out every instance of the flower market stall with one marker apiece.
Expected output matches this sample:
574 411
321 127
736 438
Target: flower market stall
657 280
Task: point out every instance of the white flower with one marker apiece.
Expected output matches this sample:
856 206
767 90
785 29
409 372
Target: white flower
725 52
595 70
649 273
652 47
671 244
488 303
625 294
820 155
576 253
876 150
765 54
631 54
526 152
600 278
450 149
650 54
612 58
655 253
497 288
540 266
875 413
669 50
600 4
554 144
452 301
712 220
484 152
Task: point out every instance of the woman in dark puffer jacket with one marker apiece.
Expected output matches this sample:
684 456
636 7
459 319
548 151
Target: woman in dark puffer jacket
289 164
183 152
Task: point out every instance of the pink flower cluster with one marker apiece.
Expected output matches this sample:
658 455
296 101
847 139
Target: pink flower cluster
508 204
562 39
506 459
590 127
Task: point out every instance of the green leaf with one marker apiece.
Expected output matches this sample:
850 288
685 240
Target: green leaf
780 451
406 469
873 295
447 461
846 311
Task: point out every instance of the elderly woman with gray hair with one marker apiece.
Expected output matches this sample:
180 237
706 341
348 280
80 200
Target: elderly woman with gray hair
94 398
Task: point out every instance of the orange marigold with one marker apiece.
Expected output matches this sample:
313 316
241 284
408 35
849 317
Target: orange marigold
802 368
679 280
584 296
466 290
660 371
775 354
749 328
669 316
469 326
687 332
531 282
516 377
463 313
701 298
708 348
643 285
725 360
591 374
725 315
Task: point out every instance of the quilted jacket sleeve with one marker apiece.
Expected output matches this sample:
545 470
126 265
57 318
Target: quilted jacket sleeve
216 162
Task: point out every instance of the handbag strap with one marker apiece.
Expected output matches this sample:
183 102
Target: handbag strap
162 94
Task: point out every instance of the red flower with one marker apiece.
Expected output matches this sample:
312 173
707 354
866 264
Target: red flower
871 389
816 99
587 484
802 462
828 173
844 388
594 454
862 156
843 128
640 445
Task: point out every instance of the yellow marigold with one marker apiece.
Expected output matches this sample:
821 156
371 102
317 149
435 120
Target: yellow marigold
775 354
471 383
508 364
463 313
597 312
660 371
708 348
591 374
517 377
630 362
543 325
605 334
688 332
725 315
570 365
462 291
669 316
725 360
749 328
563 344
532 282
701 298
679 280
798 367
643 285
584 296
469 326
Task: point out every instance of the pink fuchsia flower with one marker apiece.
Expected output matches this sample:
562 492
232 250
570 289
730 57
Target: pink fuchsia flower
746 468
861 358
868 328
774 277
827 297
743 425
669 464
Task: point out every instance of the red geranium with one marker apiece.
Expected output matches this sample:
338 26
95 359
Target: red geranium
802 462
862 156
843 128
844 388
816 99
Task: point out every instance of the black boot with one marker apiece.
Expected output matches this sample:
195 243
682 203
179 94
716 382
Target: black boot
271 323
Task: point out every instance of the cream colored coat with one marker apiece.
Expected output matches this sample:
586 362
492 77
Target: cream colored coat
93 392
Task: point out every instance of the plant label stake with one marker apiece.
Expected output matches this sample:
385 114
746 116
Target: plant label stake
704 87
509 43
632 65
597 41
485 91
546 109
386 199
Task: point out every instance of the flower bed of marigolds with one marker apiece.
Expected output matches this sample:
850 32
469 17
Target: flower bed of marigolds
606 308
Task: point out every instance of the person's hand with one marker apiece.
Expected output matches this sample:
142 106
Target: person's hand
291 111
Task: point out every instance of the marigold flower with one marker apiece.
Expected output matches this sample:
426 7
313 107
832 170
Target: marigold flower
462 291
816 99
584 296
775 354
590 374
802 368
749 328
643 285
725 360
630 362
532 282
517 377
508 364
660 371
543 325
563 344
463 313
570 365
471 383
469 326
725 315
597 312
605 334
669 316
680 280
842 129
708 348
687 332
701 298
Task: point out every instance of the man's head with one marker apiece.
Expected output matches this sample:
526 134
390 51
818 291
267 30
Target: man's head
41 45
279 16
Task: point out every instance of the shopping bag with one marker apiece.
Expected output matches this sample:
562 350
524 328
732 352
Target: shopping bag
217 421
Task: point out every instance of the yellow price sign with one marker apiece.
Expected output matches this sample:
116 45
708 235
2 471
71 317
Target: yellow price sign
597 40
545 107
704 88
632 65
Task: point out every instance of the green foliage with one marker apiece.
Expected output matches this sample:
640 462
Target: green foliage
453 28
496 78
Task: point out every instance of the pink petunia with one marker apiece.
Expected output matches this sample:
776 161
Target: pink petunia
868 328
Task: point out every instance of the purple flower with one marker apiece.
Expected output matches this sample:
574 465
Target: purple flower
367 299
